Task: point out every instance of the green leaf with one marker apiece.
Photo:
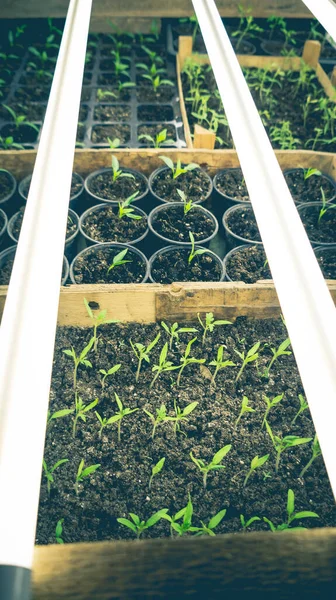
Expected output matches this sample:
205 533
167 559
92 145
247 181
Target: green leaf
217 519
113 419
163 354
253 350
90 406
168 162
89 470
115 164
118 401
61 413
153 343
188 409
80 468
58 464
87 349
220 454
158 467
127 523
69 352
305 514
191 167
290 502
156 517
135 518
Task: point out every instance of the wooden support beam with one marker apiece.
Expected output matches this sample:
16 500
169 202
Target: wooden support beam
185 47
333 76
204 138
311 53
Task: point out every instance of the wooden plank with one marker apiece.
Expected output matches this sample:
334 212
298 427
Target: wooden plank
204 138
327 84
311 53
280 566
185 121
13 9
333 77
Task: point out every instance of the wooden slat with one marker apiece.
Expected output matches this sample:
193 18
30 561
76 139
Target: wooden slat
185 121
204 138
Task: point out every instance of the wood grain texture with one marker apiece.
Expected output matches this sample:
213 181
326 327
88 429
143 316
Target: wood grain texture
185 121
204 138
254 566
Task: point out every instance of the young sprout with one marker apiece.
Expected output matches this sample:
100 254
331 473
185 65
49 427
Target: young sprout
139 526
193 252
186 513
142 353
303 407
81 410
213 523
219 363
113 144
291 515
118 260
80 360
83 473
159 140
186 360
104 421
181 415
58 414
244 409
325 206
49 472
117 173
59 531
213 465
284 443
123 412
174 332
246 524
102 94
269 404
309 172
8 143
316 451
20 120
163 366
108 373
178 170
210 324
97 320
187 204
153 74
156 470
256 463
250 356
161 417
125 210
281 351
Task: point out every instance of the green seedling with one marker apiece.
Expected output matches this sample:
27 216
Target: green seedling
181 415
113 144
303 407
97 321
251 356
163 366
118 260
245 408
104 421
58 414
156 470
277 352
139 526
283 136
178 170
213 465
159 140
275 23
20 120
142 353
103 94
81 411
316 451
106 374
209 528
325 206
174 332
154 57
13 36
59 531
266 475
193 252
117 172
80 360
153 75
187 204
291 515
245 524
309 172
247 27
219 363
160 417
210 323
186 514
49 473
84 473
8 143
125 210
123 412
186 360
256 463
284 443
194 22
269 405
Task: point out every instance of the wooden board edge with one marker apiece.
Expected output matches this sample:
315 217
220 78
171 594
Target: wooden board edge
183 110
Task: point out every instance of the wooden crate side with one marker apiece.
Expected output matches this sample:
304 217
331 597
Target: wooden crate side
183 110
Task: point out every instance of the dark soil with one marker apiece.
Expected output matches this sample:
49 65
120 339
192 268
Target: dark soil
6 185
107 64
108 112
83 113
21 135
110 79
120 485
80 133
195 184
146 93
328 51
92 267
33 112
31 78
32 94
86 94
124 95
104 225
276 47
326 258
6 270
323 232
231 183
155 113
153 131
309 190
70 230
173 224
76 186
248 265
174 266
243 48
101 185
242 222
100 133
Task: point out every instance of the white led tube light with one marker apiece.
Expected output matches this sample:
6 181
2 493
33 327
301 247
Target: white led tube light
325 13
305 301
27 333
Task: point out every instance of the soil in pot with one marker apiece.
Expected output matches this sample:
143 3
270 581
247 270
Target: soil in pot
7 267
32 94
155 113
146 93
92 266
249 264
17 224
33 112
6 185
121 95
104 225
242 222
323 231
195 184
154 130
309 190
121 484
231 182
174 225
326 258
102 186
171 266
101 133
76 186
110 112
22 135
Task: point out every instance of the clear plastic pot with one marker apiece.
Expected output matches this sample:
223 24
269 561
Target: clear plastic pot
234 239
9 253
171 249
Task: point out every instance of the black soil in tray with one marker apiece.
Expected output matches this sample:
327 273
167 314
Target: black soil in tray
123 95
323 232
248 265
155 113
147 94
108 112
76 186
21 135
195 184
232 183
121 483
121 189
328 51
242 222
70 230
174 225
92 267
7 267
6 185
327 262
100 133
104 225
309 190
32 94
33 112
153 131
174 266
